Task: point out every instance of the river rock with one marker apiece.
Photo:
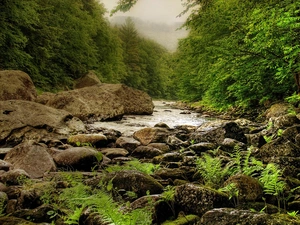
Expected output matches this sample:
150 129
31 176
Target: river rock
277 148
161 146
285 121
132 180
278 109
15 221
77 158
168 157
5 166
217 131
25 120
202 147
230 144
14 177
97 140
44 97
114 152
292 134
181 173
146 152
151 135
87 80
103 102
128 143
195 199
33 158
229 216
15 84
249 188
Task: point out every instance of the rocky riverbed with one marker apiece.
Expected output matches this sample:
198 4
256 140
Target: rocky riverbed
57 168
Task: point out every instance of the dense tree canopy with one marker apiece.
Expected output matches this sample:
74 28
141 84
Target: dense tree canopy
238 53
58 41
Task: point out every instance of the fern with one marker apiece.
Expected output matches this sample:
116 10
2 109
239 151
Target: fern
211 170
244 163
272 182
73 178
147 168
74 217
252 167
232 191
109 210
75 199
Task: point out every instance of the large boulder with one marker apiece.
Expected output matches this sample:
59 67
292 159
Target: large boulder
151 135
195 199
133 180
77 158
278 109
15 84
87 80
216 131
20 120
249 188
32 158
103 102
229 216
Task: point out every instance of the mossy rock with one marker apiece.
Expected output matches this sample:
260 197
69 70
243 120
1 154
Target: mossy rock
14 221
183 220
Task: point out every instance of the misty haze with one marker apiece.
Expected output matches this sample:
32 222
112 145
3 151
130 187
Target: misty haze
154 19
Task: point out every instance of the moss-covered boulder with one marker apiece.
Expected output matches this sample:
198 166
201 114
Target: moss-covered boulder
196 199
135 181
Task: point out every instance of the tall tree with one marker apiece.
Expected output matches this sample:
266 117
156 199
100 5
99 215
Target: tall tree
131 54
17 18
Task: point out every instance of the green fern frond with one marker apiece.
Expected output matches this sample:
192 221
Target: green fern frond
211 170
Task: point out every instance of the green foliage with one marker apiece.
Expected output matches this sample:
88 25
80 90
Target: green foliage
272 182
243 163
211 170
135 164
294 99
72 178
239 53
58 41
75 199
293 213
232 191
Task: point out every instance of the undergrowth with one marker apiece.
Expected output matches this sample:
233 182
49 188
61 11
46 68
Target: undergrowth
75 199
135 164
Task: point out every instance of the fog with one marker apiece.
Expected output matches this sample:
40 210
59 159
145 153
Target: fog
158 11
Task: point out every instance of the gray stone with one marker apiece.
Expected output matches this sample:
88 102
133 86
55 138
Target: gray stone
25 120
15 84
32 158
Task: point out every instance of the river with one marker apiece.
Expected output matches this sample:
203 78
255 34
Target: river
163 112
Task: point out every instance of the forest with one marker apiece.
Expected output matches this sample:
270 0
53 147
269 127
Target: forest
238 54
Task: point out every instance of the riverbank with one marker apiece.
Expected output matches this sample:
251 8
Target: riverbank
56 168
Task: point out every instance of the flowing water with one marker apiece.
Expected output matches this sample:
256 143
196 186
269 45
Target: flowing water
163 112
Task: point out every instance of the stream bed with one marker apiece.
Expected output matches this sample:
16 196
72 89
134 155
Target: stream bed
163 112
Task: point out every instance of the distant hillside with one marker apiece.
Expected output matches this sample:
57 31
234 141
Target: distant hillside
163 33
